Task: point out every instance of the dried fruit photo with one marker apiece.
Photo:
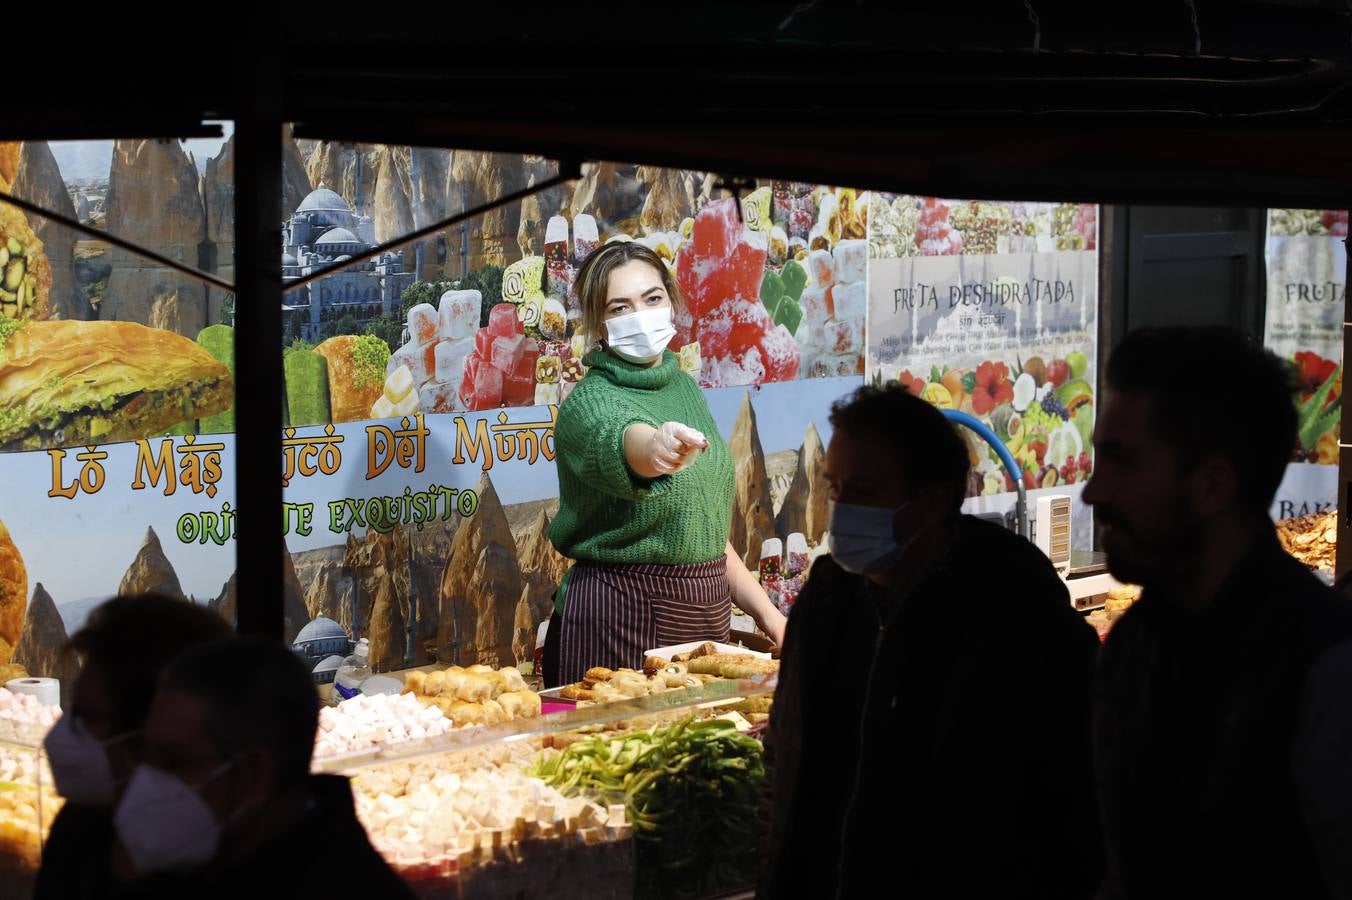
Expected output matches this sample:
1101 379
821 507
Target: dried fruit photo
1319 408
1043 411
904 225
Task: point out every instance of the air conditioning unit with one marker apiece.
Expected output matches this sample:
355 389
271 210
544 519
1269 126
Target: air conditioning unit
1051 530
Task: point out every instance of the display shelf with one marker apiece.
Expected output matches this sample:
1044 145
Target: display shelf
628 712
525 808
28 803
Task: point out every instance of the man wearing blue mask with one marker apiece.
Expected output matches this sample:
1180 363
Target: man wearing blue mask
931 728
223 804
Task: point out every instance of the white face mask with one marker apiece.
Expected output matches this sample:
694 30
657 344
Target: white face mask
79 762
861 539
164 823
640 337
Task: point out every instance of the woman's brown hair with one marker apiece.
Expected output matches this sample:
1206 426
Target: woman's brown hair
593 282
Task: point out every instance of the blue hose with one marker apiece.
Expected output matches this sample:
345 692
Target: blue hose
1007 458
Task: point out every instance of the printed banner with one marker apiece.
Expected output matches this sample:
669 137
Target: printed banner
992 309
101 348
1306 297
774 288
428 535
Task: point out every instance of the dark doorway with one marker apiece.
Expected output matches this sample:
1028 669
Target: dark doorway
1185 266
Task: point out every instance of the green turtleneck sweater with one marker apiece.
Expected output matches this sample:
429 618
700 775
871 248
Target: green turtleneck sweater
607 513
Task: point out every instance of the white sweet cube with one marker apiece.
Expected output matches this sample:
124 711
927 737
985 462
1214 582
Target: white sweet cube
437 397
507 352
408 406
382 408
548 394
423 324
851 300
459 314
399 384
450 360
843 336
835 365
851 260
418 359
821 267
815 310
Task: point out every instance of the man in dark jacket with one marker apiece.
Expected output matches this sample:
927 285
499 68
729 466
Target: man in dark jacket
225 805
1223 713
930 734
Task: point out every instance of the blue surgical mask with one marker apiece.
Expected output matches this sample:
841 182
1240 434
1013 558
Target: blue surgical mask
861 539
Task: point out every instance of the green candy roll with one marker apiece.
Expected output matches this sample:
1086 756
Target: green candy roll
307 387
771 291
219 341
789 314
794 278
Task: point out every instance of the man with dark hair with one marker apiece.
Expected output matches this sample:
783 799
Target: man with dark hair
225 802
930 735
123 647
1223 710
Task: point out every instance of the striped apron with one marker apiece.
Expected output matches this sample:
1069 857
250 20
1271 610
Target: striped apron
613 613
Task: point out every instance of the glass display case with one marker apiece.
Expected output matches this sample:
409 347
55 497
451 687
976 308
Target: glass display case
28 803
653 797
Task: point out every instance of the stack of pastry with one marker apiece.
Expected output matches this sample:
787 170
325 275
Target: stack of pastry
1120 599
707 660
477 695
1312 539
756 710
602 685
1117 602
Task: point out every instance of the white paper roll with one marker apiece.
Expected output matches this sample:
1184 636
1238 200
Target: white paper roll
47 690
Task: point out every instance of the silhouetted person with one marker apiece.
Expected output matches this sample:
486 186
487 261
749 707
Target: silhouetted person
930 735
1223 711
224 804
123 647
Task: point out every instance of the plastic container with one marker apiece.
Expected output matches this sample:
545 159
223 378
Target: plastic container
353 670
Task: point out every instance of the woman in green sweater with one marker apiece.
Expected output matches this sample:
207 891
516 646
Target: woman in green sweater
645 487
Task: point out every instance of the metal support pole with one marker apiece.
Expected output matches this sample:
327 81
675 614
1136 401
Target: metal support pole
1342 559
258 345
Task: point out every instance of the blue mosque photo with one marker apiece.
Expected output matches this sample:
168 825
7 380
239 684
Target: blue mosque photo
324 230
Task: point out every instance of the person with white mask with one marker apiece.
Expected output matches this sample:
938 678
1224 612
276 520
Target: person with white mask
223 803
931 725
645 486
123 647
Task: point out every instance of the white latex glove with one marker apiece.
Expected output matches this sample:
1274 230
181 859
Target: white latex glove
675 447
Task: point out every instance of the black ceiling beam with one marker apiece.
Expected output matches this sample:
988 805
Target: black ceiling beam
1185 164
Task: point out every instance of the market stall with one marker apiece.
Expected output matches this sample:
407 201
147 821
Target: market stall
429 331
